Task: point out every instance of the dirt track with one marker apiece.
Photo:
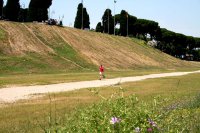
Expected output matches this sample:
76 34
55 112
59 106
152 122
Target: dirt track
8 95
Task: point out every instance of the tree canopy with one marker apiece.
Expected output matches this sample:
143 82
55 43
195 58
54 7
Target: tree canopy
78 19
38 10
1 8
108 22
99 27
12 10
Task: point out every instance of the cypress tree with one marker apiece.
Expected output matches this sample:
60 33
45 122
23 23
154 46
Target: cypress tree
108 22
99 27
78 19
12 9
123 23
86 19
1 8
38 10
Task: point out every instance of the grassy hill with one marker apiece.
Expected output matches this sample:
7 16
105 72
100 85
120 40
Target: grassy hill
39 48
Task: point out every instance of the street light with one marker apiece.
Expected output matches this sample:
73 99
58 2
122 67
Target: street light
114 15
82 15
108 22
23 12
23 6
52 13
127 24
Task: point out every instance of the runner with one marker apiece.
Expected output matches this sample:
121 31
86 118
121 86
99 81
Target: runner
101 71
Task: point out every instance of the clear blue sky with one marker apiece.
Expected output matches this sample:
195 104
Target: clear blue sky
181 16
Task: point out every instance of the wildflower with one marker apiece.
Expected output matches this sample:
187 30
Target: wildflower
149 129
114 120
137 129
151 122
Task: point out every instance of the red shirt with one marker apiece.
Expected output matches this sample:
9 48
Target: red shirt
101 69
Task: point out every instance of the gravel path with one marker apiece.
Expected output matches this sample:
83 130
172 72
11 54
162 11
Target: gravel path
12 94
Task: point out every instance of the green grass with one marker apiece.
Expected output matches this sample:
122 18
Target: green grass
63 76
64 50
34 63
67 58
28 116
2 34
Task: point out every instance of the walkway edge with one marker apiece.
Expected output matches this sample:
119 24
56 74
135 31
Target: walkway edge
13 94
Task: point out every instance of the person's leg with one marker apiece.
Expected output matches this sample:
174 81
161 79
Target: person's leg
100 75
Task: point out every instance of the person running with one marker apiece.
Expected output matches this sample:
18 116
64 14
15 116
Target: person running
101 71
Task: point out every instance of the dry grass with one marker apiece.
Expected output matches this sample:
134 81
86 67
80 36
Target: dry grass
21 40
27 116
114 52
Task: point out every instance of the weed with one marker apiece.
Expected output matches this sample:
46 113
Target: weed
118 114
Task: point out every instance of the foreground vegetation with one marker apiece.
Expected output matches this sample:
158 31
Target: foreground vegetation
131 115
174 98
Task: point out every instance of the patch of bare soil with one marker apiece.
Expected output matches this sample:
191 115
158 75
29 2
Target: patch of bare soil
21 39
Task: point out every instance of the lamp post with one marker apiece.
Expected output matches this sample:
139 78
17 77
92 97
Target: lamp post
108 22
127 24
23 6
114 15
52 13
82 15
23 12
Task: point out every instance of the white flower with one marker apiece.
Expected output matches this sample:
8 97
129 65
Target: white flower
137 129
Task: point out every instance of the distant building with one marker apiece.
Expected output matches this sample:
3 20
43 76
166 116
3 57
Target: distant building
189 57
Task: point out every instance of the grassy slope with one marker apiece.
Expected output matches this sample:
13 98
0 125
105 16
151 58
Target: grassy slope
38 48
35 48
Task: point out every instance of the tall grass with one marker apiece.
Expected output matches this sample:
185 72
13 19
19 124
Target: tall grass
119 114
172 94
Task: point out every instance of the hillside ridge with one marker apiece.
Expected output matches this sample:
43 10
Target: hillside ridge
65 48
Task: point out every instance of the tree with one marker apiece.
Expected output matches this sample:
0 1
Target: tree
167 41
86 19
123 22
1 8
38 10
131 23
23 15
190 43
12 9
99 27
141 27
108 22
78 19
197 42
180 44
152 28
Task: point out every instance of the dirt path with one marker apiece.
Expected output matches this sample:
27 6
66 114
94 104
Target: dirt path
8 95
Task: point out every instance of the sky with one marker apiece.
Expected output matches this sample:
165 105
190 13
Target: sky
181 16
